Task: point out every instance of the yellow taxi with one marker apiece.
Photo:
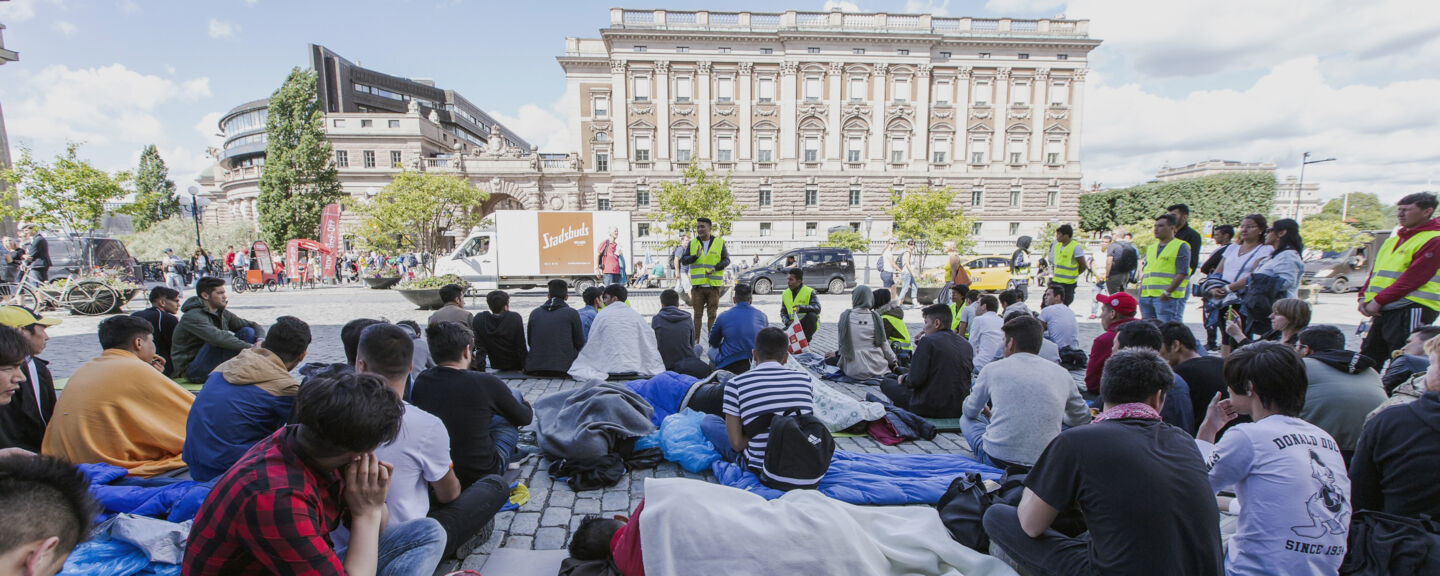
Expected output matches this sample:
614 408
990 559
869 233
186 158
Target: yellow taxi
990 273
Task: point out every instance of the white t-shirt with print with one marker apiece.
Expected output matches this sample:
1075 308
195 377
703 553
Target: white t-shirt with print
1293 494
420 455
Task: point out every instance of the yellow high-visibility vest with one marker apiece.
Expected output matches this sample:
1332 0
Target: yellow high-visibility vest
1392 261
789 300
955 311
1161 269
1064 268
903 340
706 271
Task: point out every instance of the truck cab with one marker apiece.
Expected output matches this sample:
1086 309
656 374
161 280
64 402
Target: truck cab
473 260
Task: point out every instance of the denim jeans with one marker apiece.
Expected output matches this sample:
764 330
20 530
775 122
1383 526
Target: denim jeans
907 284
1153 308
612 279
713 427
467 515
209 357
414 547
974 431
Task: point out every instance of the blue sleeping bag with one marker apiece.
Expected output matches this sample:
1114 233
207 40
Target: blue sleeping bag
173 500
664 392
874 479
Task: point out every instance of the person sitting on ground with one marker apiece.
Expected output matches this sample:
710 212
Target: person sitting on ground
555 334
1020 403
499 335
1203 375
480 413
245 400
164 303
1409 360
1342 386
799 300
421 361
768 388
675 337
1145 334
1135 479
1060 325
278 508
30 408
208 333
453 295
423 481
1115 311
1011 302
1288 316
963 310
621 342
986 336
864 351
732 338
1397 459
892 316
1288 475
591 298
13 350
1048 350
939 377
45 511
119 409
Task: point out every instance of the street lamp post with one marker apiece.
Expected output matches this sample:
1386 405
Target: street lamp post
1300 186
195 213
792 219
868 265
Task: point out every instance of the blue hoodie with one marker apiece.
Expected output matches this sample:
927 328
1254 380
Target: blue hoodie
734 333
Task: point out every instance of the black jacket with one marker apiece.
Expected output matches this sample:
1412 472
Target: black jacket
674 335
940 375
1397 460
501 339
1191 237
39 253
22 421
555 338
164 324
1213 261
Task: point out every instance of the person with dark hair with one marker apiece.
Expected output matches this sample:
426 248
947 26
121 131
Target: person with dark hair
864 350
1203 375
1184 232
246 399
1060 325
1115 311
423 479
1162 287
1123 259
13 350
350 336
892 315
499 335
1238 261
707 258
1285 263
799 301
1401 294
1223 235
1067 260
939 377
767 388
591 297
1342 387
164 303
1020 403
986 334
23 420
1288 474
732 339
453 310
675 337
1177 410
421 360
554 333
278 509
621 342
962 317
1010 302
1134 478
208 333
119 409
1397 460
45 511
480 413
1409 361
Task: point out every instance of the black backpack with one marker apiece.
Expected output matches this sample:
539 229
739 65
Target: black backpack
798 453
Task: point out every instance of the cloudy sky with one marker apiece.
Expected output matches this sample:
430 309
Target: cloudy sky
1173 83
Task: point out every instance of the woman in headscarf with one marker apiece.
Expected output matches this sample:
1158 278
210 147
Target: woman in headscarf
864 353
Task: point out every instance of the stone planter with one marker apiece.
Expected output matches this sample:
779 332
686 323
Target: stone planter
382 282
424 298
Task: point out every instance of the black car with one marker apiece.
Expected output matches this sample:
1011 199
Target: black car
830 270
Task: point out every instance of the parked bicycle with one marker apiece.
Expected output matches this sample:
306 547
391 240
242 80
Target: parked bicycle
86 297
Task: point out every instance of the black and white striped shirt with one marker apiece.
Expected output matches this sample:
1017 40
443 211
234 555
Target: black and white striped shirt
766 389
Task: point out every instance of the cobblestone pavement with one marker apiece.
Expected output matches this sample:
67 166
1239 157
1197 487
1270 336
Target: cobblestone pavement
554 510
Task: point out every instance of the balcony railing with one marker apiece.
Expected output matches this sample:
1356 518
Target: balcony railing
860 22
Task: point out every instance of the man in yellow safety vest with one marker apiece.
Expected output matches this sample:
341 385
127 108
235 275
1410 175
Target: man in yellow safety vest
1167 264
1067 261
707 259
1403 292
799 300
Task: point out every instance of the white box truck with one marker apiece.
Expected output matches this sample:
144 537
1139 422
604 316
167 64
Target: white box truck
527 248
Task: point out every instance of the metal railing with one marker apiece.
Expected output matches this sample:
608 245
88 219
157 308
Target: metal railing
866 22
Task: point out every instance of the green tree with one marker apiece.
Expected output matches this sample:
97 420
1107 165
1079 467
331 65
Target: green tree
415 210
299 177
848 239
178 232
1365 212
155 198
1331 235
926 215
1222 199
698 194
68 193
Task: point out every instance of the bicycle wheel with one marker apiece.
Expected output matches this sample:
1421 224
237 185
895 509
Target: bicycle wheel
91 298
12 294
271 285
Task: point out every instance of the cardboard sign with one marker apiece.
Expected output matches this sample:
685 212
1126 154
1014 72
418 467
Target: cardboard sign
566 243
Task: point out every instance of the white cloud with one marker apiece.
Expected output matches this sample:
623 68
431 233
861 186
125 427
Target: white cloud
59 103
841 5
209 127
65 28
129 6
221 29
251 2
195 88
552 128
16 11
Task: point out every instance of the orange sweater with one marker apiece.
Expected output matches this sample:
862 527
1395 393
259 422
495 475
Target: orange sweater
119 410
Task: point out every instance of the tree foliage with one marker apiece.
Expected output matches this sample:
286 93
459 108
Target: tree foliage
299 177
1222 199
68 193
415 210
927 216
155 198
848 239
698 194
1366 212
178 232
1331 235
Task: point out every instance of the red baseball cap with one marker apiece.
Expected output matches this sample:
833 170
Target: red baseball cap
1122 302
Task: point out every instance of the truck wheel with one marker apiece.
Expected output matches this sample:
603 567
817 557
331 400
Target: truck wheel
837 285
762 286
583 284
1340 286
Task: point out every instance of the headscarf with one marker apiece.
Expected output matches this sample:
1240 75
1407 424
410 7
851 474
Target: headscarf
861 300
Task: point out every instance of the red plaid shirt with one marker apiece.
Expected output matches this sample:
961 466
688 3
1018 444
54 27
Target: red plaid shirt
272 513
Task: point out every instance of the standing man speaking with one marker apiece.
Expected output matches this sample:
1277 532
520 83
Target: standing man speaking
1403 292
707 259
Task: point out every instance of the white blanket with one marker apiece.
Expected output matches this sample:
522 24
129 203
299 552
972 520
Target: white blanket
620 341
693 527
836 409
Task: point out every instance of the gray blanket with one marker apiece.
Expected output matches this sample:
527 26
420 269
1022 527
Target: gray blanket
588 421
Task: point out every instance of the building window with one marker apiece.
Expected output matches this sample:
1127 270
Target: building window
855 227
640 48
901 91
642 229
811 228
1062 56
764 229
1059 94
683 147
854 195
982 93
682 49
764 197
767 89
642 198
369 158
725 149
1014 228
367 123
897 194
853 149
725 89
338 123
767 50
857 88
1024 56
602 106
944 54
602 137
342 159
642 148
812 50
1017 151
940 151
1052 199
977 197
812 196
765 152
723 50
984 55
903 52
942 92
394 124
897 150
977 151
857 51
395 159
975 228
1020 93
812 88
812 149
642 88
1054 152
602 204
602 162
684 89
1014 197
